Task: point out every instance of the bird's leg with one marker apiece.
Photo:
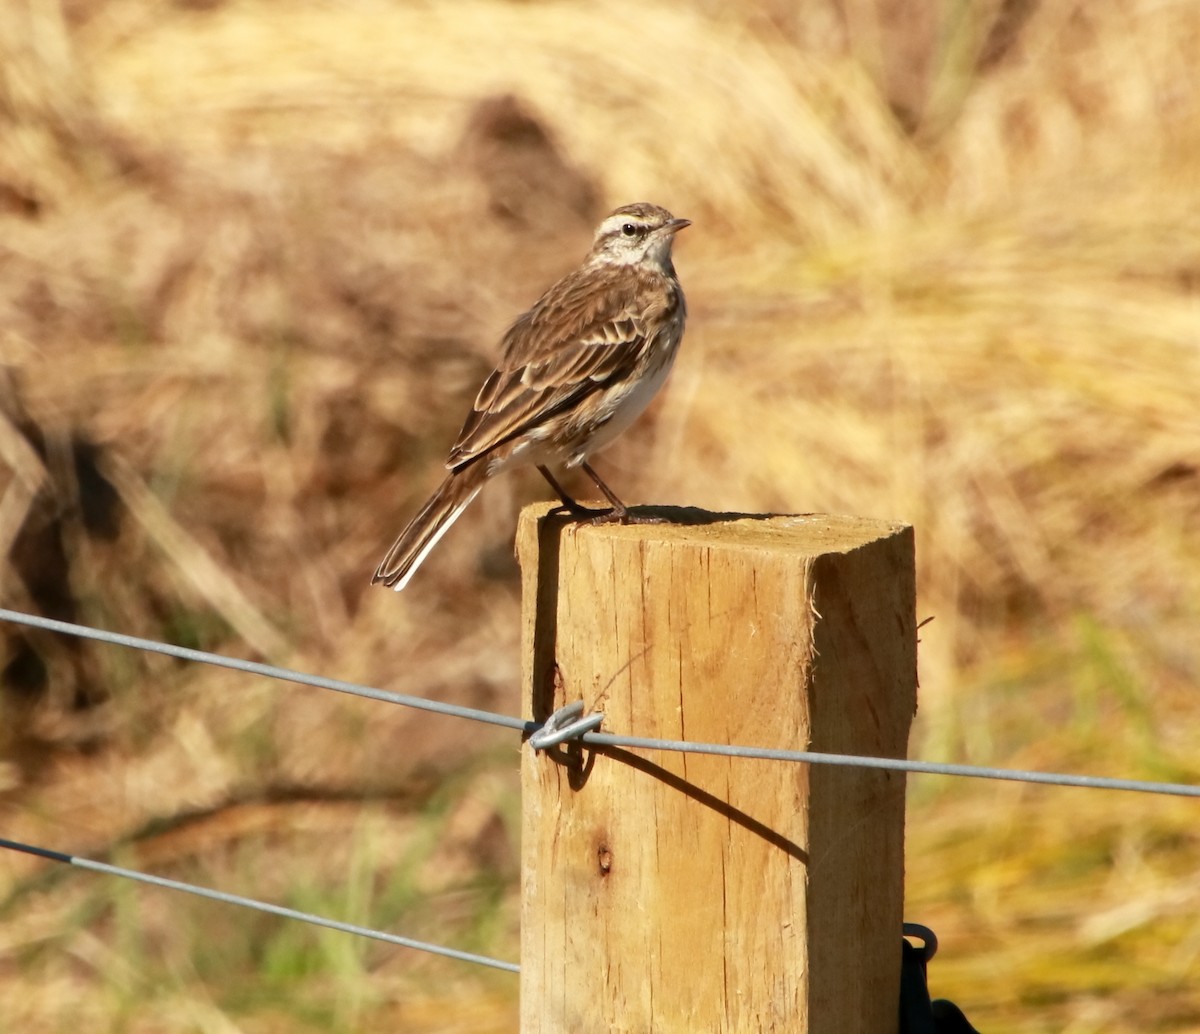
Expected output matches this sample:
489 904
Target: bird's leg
619 514
619 510
569 504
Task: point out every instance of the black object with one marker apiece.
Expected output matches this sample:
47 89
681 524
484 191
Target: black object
919 1015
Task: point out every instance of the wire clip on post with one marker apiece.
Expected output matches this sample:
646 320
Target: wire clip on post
565 724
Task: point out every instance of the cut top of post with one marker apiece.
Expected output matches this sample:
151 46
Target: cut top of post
814 533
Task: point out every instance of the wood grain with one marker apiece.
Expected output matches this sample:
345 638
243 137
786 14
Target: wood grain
672 892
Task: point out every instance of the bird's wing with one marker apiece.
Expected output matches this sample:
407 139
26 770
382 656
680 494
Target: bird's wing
573 342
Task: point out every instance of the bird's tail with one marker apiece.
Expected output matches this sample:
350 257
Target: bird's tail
428 526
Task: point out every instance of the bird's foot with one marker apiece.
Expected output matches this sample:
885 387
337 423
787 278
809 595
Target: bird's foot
620 515
581 513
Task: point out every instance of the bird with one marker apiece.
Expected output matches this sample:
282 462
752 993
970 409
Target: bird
575 371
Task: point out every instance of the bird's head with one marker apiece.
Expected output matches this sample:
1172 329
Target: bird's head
639 234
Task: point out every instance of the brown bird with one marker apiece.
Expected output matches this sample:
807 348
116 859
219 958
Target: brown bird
576 370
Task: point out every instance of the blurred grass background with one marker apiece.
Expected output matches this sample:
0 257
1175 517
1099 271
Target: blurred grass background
254 261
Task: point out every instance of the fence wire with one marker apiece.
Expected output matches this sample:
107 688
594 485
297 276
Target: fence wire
527 728
185 653
258 906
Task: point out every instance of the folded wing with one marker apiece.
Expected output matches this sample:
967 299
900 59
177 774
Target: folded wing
575 341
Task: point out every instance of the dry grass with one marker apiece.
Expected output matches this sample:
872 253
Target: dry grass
252 261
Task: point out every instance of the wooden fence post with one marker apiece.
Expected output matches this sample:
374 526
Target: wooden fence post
668 893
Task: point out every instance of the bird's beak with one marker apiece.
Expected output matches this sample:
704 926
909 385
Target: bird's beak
675 225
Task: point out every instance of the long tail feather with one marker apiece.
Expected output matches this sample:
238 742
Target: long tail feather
429 525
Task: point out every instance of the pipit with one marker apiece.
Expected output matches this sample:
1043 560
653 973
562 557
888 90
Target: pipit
576 370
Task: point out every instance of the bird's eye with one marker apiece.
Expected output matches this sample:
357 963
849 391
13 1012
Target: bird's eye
629 229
